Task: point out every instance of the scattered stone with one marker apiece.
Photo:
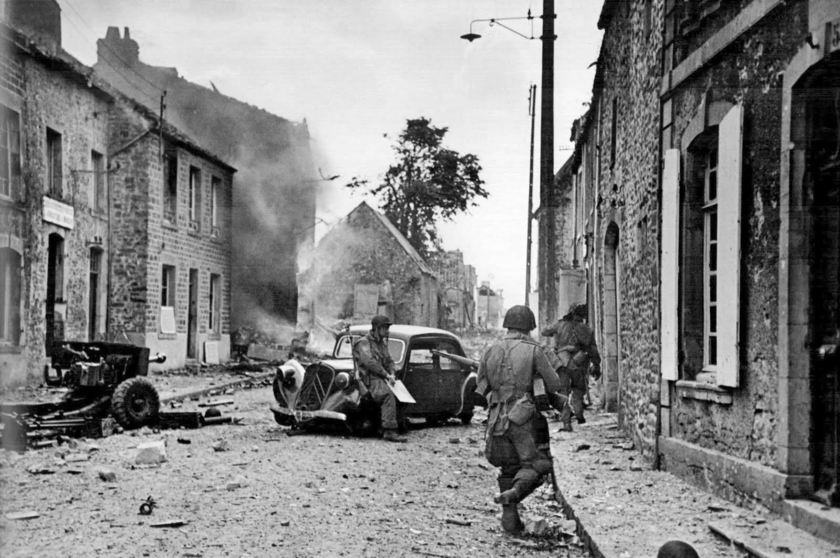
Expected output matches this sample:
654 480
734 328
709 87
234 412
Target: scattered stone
285 523
107 475
582 447
456 521
76 457
184 441
221 445
40 470
151 453
230 391
628 446
170 523
452 484
537 527
415 532
636 468
28 514
176 404
454 440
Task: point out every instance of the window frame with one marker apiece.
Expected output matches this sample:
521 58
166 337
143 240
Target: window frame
10 176
215 192
10 288
99 182
214 320
195 197
170 187
710 257
53 168
168 286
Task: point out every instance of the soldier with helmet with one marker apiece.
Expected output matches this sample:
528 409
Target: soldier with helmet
506 377
575 348
376 370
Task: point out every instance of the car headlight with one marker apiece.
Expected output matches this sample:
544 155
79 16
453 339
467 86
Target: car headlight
342 380
289 379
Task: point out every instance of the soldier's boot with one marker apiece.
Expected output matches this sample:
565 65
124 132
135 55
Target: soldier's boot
508 497
392 436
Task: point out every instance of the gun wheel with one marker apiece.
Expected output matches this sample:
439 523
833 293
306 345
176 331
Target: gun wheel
135 402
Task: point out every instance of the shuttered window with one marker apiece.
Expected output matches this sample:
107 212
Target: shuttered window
669 265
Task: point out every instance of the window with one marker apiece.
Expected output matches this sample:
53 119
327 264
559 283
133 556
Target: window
215 192
167 286
100 193
170 188
9 296
344 348
9 154
195 197
701 256
54 173
214 321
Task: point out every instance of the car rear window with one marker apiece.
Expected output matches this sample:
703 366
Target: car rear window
344 347
421 353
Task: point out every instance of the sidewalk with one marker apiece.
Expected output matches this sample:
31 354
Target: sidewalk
623 509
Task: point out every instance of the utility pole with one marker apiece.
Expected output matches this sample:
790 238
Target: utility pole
532 111
548 263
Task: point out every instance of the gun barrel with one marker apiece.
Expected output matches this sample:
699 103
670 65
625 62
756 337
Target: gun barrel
457 358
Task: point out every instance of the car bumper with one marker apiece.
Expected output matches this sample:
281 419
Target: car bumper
290 417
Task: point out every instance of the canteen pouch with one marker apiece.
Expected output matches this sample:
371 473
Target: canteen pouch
522 410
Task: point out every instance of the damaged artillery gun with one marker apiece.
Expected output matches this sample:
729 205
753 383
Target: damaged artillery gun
102 378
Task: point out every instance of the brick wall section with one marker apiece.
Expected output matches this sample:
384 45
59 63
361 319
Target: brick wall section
628 192
746 73
145 241
57 99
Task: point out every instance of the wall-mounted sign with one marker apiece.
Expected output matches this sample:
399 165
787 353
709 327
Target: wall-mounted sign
58 213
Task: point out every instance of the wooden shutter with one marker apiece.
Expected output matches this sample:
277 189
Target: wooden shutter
730 135
669 265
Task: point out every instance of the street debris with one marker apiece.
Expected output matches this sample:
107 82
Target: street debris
221 445
456 521
170 523
151 453
217 403
107 475
148 506
28 514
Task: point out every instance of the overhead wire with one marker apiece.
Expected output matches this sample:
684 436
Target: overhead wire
141 89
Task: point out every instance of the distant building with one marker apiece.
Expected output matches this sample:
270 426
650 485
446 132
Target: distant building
490 307
274 201
458 283
364 266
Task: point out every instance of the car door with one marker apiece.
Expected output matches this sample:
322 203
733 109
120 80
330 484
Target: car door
434 381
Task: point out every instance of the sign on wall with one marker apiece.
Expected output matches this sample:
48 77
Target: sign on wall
58 213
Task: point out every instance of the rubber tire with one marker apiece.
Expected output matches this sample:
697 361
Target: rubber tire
124 403
466 418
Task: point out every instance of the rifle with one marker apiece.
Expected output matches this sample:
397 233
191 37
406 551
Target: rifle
459 359
544 401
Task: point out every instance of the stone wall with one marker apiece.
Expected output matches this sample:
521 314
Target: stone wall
628 197
747 73
48 92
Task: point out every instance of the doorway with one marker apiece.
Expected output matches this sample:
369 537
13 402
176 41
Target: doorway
55 291
192 317
610 320
822 105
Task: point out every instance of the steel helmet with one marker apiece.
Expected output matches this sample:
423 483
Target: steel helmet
520 317
379 321
581 311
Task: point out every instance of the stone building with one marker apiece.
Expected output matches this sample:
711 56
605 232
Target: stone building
714 149
274 201
54 219
490 307
171 232
458 283
364 266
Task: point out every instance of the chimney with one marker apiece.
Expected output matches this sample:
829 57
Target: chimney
118 51
38 19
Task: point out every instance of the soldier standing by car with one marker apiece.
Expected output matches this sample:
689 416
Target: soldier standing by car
575 347
506 377
376 371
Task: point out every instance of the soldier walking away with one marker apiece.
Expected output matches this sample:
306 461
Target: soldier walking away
506 375
377 372
575 347
677 549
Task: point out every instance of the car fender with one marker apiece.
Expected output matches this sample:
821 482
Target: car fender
287 383
467 393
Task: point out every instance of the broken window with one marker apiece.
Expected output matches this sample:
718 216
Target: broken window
99 182
9 296
54 172
9 154
167 286
170 187
195 198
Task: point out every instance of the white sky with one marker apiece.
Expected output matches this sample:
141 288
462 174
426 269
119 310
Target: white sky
357 69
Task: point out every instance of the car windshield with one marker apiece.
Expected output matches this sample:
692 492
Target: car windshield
344 347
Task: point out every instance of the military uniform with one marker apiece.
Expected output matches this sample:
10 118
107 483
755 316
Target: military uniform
375 364
575 346
506 376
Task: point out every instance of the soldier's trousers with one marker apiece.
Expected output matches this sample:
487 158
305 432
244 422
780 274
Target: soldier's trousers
387 401
573 384
522 463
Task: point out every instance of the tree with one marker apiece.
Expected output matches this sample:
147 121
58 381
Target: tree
426 184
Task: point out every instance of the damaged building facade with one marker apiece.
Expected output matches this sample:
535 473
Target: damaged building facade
274 200
364 266
458 282
711 158
88 224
